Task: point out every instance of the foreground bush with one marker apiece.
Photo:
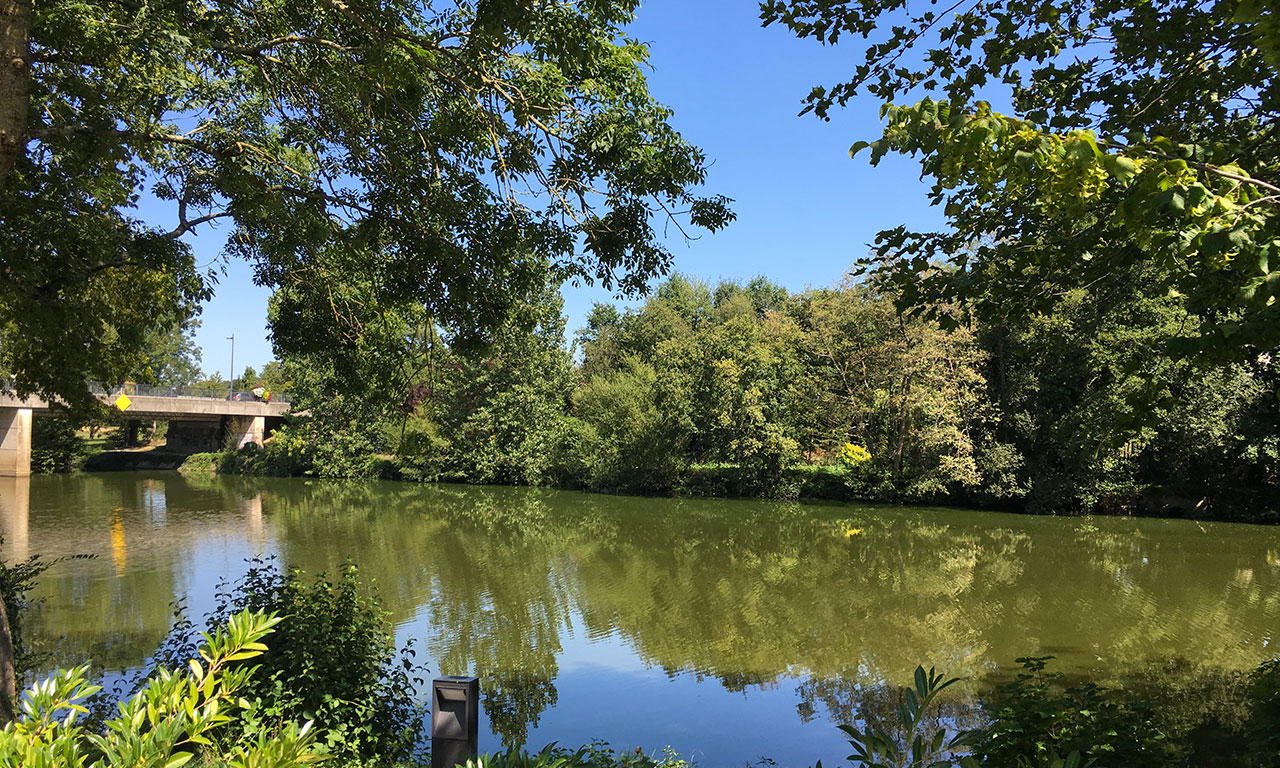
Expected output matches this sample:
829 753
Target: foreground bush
595 755
175 717
1033 722
333 661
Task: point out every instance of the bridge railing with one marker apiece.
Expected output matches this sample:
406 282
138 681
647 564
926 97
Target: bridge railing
208 393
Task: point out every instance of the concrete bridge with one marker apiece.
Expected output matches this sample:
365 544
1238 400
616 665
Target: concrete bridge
195 423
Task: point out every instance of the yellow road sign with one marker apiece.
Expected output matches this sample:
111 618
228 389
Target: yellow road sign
123 402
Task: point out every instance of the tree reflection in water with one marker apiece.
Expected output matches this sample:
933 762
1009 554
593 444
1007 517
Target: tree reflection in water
753 594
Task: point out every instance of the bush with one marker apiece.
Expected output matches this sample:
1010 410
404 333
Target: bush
575 454
1031 719
175 717
199 465
333 661
420 447
55 447
1264 721
15 581
594 755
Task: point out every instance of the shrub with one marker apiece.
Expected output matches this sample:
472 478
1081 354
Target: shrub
595 755
199 465
1264 722
55 448
913 742
172 719
575 454
1032 719
15 581
333 661
420 447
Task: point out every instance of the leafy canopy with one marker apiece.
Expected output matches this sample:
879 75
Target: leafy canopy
368 156
1139 132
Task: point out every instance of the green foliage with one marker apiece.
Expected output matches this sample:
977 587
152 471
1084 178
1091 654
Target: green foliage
333 662
177 715
637 444
1034 719
576 459
391 138
912 395
498 408
912 745
594 755
55 447
16 581
172 358
919 737
1139 139
753 391
1263 733
1095 415
199 465
334 441
421 447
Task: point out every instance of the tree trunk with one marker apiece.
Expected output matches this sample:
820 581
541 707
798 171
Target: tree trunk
15 82
8 679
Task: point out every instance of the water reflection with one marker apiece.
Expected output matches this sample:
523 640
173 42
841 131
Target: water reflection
763 598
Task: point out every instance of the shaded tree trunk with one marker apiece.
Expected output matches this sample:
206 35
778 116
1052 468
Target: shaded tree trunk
15 81
8 677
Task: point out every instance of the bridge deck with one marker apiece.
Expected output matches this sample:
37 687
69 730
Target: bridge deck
158 407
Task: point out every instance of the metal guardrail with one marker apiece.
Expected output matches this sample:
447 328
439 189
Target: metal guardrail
206 393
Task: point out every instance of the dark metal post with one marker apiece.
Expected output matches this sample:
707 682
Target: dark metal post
455 720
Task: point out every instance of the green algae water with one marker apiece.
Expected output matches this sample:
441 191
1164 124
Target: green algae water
729 630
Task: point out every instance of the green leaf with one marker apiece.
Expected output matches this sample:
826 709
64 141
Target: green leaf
1122 168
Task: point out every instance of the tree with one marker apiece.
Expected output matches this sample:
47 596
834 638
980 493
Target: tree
912 394
1140 134
246 380
172 357
369 157
500 409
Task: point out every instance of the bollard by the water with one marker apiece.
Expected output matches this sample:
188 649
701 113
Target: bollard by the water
455 720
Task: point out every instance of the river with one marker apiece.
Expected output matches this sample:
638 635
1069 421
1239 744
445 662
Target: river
730 630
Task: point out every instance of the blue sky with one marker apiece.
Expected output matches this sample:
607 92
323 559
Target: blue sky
805 210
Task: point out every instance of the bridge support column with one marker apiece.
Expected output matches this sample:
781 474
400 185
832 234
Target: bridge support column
242 430
15 442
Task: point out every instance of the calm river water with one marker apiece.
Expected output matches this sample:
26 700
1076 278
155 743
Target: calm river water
730 630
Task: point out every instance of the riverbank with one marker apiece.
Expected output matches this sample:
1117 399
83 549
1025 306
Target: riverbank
820 482
135 460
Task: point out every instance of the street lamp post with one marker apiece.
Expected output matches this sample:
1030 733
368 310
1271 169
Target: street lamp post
231 377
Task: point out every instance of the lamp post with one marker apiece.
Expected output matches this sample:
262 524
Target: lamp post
455 720
231 377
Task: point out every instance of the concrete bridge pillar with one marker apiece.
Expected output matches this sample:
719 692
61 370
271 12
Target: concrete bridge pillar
242 430
15 442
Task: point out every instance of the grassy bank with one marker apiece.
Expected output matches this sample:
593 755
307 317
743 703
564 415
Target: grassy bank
823 482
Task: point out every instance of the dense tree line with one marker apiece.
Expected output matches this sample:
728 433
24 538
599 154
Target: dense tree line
748 389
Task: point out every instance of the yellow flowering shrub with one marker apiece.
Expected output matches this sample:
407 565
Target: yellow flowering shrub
854 456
